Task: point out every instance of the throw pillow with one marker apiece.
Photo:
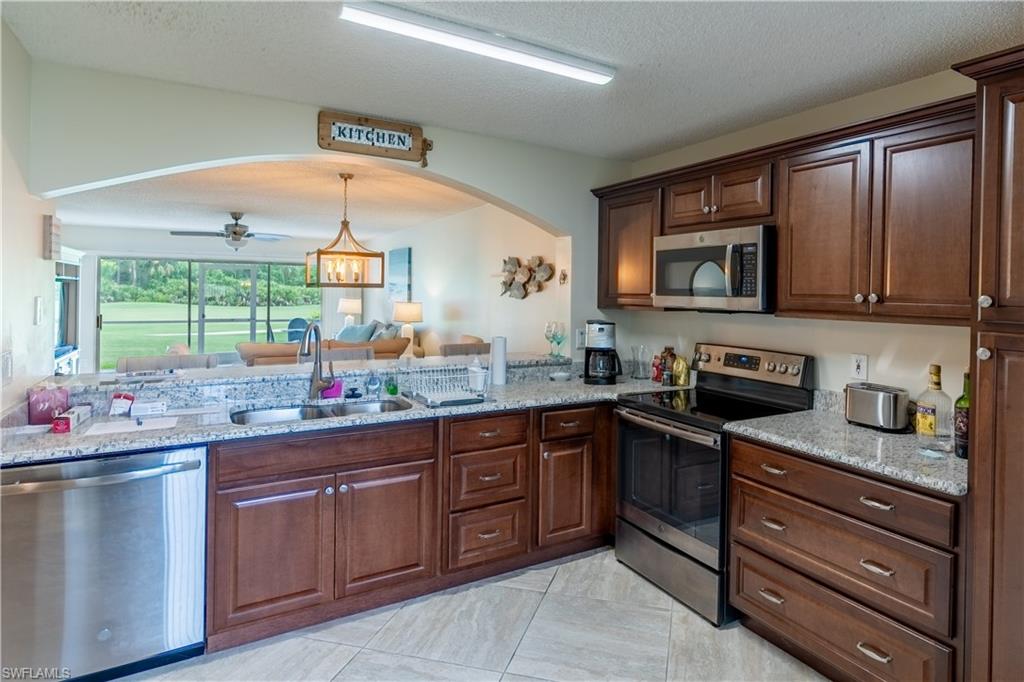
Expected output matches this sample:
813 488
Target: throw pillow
386 333
356 333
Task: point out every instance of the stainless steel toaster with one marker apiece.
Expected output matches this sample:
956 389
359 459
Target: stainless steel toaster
877 406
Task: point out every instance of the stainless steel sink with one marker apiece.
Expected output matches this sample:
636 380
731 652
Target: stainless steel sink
274 415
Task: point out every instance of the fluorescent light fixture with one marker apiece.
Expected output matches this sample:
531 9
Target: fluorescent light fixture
495 46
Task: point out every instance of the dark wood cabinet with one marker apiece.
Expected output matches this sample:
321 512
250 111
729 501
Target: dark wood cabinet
274 551
385 527
565 503
627 226
824 231
921 223
731 194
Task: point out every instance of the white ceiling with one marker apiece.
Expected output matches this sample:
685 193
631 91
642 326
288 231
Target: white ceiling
296 198
686 71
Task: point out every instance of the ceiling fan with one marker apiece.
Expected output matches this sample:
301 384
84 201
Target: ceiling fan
236 235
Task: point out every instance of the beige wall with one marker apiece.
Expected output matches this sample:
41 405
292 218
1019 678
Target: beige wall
873 104
25 274
456 266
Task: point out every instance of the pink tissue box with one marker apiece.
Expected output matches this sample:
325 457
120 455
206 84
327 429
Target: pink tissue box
46 403
334 391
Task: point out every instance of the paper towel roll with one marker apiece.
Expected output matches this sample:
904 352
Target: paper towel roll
498 360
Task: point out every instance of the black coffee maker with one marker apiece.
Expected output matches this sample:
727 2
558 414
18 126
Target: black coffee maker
601 363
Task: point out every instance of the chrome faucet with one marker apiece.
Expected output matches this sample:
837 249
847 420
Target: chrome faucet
317 383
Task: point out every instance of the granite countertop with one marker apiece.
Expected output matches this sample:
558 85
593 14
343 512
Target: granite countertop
828 436
213 424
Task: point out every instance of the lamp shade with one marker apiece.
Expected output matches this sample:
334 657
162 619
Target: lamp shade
350 306
407 312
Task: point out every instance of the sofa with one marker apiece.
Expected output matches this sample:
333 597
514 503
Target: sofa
255 354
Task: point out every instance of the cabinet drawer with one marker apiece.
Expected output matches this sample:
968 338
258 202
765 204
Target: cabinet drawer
901 577
859 641
486 534
909 513
479 478
485 433
567 423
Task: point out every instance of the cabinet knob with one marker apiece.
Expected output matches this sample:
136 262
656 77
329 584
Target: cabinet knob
547 455
714 208
983 353
343 488
707 209
329 490
985 301
872 298
859 298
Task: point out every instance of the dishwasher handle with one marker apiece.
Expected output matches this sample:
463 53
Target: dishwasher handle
64 484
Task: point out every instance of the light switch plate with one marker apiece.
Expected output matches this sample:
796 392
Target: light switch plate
37 317
581 339
7 367
859 367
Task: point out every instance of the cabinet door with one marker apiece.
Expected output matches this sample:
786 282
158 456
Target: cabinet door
921 223
386 527
1000 178
997 510
824 231
273 549
688 203
628 225
742 193
566 491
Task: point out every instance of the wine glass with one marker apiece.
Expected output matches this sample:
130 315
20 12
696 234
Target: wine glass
549 334
558 337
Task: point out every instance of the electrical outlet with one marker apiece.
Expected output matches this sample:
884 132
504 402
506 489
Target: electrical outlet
859 367
581 339
37 317
7 367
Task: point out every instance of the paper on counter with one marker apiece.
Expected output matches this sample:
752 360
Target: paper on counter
131 426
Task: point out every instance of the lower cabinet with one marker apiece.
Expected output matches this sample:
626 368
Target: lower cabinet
385 527
565 504
274 551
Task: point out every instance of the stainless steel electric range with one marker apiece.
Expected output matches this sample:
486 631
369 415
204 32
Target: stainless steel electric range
673 467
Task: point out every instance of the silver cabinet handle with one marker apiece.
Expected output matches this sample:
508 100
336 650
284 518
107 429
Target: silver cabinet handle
873 653
859 298
547 455
877 568
983 353
707 209
342 488
489 536
771 596
569 425
329 490
489 477
873 298
774 471
875 504
490 434
773 524
985 301
714 208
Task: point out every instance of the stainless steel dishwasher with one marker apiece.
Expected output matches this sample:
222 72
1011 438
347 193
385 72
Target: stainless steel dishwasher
103 563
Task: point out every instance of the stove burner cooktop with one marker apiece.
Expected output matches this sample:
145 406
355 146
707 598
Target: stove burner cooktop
703 409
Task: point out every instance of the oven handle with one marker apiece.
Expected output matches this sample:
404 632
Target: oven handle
698 437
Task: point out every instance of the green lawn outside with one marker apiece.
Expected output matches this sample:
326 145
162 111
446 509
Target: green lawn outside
164 324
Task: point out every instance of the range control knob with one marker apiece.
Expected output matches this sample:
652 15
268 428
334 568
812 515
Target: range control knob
794 370
783 368
770 367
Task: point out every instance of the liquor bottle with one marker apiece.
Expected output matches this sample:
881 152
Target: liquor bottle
668 358
962 419
934 423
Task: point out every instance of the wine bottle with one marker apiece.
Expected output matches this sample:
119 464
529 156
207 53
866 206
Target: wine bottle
934 423
962 419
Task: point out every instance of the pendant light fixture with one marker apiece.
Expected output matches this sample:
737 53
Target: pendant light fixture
345 262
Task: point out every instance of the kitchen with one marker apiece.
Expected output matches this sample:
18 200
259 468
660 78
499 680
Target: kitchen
880 235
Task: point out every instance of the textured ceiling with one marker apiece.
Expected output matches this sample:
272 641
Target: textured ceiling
297 198
686 71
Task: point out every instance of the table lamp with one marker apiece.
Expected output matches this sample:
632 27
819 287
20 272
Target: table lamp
350 306
407 313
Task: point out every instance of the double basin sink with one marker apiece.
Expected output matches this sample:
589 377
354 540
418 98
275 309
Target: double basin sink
274 415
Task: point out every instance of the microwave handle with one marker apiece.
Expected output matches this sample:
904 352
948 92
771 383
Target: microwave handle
731 269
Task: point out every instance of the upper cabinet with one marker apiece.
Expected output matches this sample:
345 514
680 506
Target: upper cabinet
744 192
627 228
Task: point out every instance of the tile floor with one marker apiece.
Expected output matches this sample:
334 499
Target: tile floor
587 617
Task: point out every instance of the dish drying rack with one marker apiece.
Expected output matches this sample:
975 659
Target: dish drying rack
441 387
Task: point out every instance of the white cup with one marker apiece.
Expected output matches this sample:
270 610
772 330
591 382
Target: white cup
477 379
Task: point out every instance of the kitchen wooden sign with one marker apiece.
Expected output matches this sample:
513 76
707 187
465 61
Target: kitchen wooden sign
343 132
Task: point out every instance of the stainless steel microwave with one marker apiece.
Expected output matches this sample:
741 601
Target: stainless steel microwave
719 270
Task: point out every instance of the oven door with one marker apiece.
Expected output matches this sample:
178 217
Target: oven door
716 270
670 483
